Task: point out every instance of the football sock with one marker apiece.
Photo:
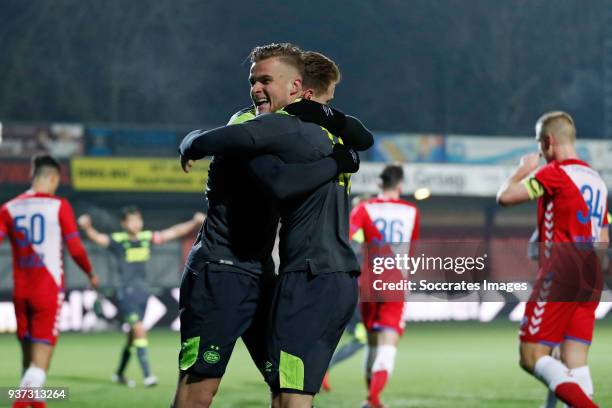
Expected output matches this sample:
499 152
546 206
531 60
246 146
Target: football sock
582 375
33 377
379 379
325 383
368 361
556 376
143 358
381 372
126 353
572 394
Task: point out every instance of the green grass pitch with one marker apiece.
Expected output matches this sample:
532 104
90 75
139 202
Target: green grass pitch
439 365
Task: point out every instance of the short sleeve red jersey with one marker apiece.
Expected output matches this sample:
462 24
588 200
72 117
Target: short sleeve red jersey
384 219
574 205
394 223
37 225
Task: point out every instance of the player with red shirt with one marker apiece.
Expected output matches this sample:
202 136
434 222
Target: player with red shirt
384 219
37 224
572 204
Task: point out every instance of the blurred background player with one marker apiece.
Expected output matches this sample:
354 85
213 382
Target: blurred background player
572 208
383 219
132 249
37 223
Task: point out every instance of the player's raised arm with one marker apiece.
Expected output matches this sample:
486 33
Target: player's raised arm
179 230
93 234
285 180
518 188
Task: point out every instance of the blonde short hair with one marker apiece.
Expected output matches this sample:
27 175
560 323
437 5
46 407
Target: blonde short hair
558 123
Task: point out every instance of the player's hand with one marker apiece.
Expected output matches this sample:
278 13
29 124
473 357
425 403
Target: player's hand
84 221
186 164
323 115
346 158
530 161
199 217
93 281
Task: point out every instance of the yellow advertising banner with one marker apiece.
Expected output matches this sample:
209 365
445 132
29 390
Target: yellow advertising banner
136 174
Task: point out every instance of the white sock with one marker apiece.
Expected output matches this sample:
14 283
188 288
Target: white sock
552 372
582 375
368 361
385 359
34 377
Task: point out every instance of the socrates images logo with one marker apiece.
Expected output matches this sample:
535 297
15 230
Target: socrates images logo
212 356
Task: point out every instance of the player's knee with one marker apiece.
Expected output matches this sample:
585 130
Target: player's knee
198 392
290 400
527 359
525 363
385 358
202 399
530 354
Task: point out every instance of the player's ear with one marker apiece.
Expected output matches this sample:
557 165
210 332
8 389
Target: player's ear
54 177
308 94
548 141
296 87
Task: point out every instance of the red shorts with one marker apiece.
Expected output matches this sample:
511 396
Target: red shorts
38 318
551 323
379 316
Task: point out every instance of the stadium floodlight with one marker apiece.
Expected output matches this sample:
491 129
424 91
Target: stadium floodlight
422 193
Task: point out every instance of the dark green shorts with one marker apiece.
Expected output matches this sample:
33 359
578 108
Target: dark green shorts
309 314
217 305
132 303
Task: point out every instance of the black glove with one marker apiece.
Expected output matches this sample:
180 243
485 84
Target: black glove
346 158
323 115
